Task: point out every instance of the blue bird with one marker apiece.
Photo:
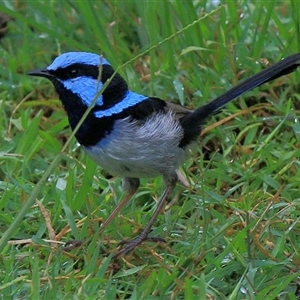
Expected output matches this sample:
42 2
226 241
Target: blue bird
132 135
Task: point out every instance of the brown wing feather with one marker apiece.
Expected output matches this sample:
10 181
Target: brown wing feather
179 110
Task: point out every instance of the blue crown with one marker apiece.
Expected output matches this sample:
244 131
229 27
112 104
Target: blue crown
69 58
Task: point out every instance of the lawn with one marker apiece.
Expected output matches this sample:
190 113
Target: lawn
233 234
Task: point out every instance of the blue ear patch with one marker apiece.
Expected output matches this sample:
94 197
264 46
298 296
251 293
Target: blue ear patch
85 88
70 58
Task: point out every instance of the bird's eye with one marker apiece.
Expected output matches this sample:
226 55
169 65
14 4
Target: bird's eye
73 73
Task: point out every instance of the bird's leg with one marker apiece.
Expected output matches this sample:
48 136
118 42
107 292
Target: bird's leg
117 209
143 235
129 184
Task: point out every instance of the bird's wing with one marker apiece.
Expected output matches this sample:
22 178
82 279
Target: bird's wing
179 110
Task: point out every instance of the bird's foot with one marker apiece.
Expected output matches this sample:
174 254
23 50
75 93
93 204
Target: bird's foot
130 245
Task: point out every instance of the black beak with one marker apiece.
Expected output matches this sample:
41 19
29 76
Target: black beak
41 73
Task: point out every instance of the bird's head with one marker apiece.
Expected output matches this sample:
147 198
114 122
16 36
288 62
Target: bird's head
75 76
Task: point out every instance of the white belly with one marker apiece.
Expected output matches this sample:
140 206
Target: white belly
141 150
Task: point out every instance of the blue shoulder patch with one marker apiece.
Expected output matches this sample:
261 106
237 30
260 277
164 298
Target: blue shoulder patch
69 58
129 100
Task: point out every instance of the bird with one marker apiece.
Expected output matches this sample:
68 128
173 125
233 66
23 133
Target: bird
131 135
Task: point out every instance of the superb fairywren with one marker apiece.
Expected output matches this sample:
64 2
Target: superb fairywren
132 135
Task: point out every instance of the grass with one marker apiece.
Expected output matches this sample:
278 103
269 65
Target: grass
233 235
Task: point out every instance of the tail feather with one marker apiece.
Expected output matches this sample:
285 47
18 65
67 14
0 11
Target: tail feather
192 122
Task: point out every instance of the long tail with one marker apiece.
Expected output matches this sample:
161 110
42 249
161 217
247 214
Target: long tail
192 122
